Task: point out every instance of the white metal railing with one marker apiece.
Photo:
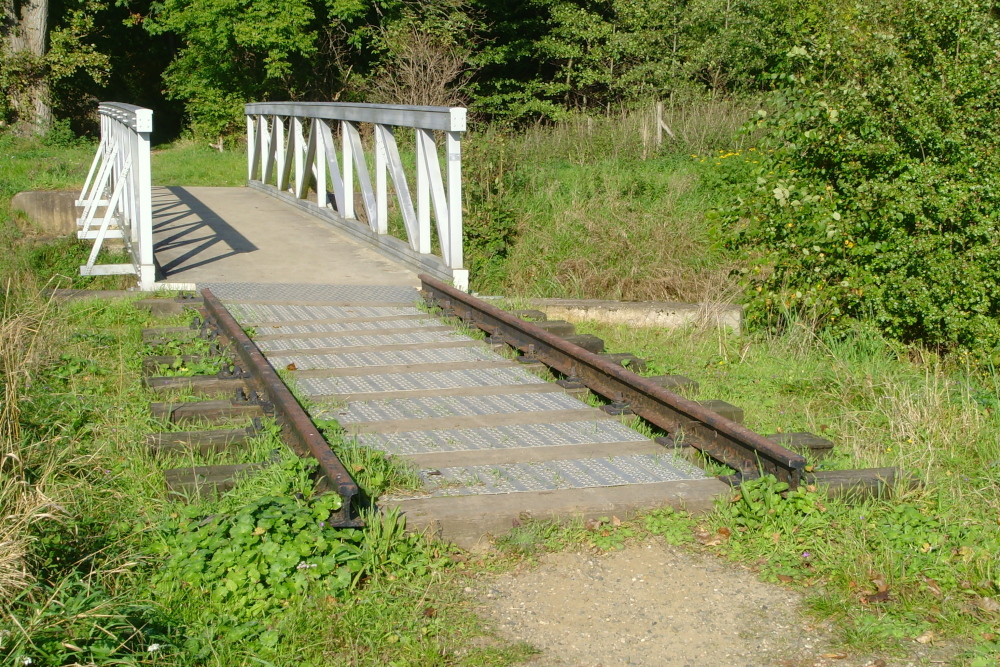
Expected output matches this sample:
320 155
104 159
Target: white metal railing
292 146
119 181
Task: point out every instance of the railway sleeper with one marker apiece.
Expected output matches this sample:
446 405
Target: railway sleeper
198 385
206 481
167 307
560 328
206 412
205 442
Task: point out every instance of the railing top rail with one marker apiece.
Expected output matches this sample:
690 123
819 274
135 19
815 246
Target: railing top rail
451 119
139 119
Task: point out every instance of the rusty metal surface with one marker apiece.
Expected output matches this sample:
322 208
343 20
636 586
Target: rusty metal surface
686 421
298 429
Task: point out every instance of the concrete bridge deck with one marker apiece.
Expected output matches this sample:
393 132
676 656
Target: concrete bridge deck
240 235
491 441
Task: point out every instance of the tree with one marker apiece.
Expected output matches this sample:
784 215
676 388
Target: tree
23 36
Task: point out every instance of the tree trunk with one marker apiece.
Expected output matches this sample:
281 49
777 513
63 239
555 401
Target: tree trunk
24 33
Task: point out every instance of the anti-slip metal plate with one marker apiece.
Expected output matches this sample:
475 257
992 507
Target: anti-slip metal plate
431 407
553 475
256 313
364 384
292 292
500 437
362 341
329 327
437 355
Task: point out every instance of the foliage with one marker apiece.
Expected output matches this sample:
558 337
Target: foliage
241 52
249 564
877 198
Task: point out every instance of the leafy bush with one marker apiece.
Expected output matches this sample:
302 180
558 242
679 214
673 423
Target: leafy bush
878 197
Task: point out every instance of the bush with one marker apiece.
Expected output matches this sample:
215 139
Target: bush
879 196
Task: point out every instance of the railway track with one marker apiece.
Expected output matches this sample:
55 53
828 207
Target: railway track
490 438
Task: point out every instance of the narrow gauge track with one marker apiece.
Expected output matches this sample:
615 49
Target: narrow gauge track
688 422
259 391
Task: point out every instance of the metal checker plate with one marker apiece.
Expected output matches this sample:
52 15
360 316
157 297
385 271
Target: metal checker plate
500 437
443 355
361 341
429 407
268 313
292 292
473 377
565 474
414 323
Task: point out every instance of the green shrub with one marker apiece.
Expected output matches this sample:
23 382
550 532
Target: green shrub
878 198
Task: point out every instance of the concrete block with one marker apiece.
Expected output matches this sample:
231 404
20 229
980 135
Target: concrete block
53 211
661 314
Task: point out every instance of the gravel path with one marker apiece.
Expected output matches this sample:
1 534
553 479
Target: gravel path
652 604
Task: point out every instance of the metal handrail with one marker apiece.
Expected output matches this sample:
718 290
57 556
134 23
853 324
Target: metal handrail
119 180
309 151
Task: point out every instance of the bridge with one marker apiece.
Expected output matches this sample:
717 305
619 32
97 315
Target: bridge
316 259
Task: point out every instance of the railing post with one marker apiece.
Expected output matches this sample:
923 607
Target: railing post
144 181
454 152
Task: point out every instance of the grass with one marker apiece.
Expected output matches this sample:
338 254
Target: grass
188 163
590 208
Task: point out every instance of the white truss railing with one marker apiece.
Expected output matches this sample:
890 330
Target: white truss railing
119 182
293 146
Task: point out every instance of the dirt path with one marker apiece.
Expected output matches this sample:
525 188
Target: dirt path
651 604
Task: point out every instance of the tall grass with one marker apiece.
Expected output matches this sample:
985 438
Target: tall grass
22 496
592 208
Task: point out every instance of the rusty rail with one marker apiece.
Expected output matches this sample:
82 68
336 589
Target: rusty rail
297 428
685 420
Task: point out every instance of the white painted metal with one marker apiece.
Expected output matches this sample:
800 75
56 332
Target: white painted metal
273 156
119 180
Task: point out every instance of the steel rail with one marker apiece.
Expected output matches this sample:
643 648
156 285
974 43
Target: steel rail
297 428
687 421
